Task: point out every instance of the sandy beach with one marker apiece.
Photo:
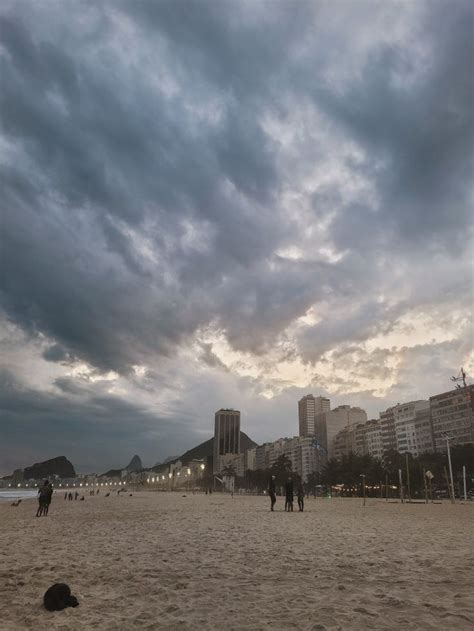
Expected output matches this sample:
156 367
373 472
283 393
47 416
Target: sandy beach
163 561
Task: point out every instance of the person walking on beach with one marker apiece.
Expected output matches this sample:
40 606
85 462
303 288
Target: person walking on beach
49 496
42 498
289 495
300 495
272 492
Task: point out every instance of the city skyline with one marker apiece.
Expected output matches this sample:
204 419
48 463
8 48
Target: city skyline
227 207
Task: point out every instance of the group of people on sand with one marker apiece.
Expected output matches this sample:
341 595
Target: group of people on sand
69 496
289 494
45 494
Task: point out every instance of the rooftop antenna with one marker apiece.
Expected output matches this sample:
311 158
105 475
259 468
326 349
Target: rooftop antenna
461 377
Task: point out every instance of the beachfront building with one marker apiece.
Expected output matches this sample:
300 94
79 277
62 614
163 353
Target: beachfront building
387 425
343 443
276 449
251 459
305 456
302 451
329 424
240 463
452 413
406 427
226 435
407 421
262 456
373 438
308 408
361 439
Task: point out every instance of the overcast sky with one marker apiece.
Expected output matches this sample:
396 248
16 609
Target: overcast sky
227 204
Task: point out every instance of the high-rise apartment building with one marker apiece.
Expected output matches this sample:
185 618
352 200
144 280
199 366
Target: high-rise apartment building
406 427
387 424
373 438
452 413
262 456
331 423
308 408
305 457
405 416
226 435
361 439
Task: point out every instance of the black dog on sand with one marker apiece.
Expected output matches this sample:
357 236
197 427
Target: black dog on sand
58 597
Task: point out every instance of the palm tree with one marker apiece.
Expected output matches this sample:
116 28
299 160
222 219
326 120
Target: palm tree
281 469
229 471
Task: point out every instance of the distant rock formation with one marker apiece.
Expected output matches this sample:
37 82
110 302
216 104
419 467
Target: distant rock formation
135 464
111 473
167 460
60 466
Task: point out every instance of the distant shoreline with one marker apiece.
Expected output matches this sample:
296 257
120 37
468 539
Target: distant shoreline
17 494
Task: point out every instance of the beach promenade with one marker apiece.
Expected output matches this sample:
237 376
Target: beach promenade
163 561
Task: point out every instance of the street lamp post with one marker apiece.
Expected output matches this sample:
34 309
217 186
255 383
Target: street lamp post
447 438
363 485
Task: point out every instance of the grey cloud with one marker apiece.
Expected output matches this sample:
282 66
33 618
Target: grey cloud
210 358
421 136
56 353
95 431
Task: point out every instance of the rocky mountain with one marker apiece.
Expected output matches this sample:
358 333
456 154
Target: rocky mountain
60 466
167 460
135 464
204 451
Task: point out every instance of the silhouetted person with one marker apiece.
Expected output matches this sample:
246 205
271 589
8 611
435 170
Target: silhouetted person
289 495
49 496
65 495
42 498
300 495
70 497
272 492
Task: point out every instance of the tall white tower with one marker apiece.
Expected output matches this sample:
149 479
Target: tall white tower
308 408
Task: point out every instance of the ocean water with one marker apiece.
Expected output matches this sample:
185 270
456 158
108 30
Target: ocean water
17 494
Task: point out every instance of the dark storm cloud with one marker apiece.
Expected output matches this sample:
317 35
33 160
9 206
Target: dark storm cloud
420 134
103 149
38 425
102 152
57 353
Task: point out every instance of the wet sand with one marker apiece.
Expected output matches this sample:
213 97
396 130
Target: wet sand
163 561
